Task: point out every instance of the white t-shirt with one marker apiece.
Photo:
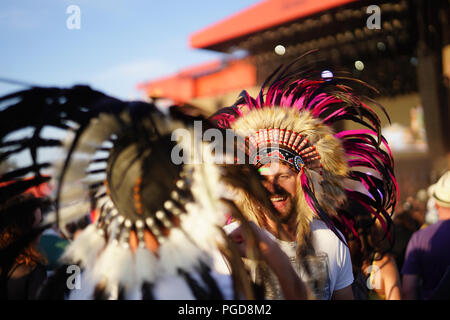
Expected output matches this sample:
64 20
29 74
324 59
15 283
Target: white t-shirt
331 267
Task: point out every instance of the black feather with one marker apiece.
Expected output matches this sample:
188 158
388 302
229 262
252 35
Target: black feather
197 290
147 291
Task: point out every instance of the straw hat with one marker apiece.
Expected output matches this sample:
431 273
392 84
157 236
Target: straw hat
440 191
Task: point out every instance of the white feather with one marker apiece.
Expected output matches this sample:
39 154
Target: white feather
99 130
178 252
76 170
86 247
91 179
73 212
112 229
73 193
105 200
74 201
116 265
86 290
102 189
146 270
205 232
207 187
146 265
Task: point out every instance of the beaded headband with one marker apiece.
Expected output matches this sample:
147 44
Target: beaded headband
284 145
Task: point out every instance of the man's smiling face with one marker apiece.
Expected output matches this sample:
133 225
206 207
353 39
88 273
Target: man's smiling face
281 183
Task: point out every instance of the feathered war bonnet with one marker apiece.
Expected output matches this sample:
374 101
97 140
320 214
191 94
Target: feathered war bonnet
291 121
144 195
157 212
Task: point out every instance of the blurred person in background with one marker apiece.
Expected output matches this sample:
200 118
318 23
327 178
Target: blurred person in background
22 269
408 219
431 215
374 266
427 256
52 245
53 241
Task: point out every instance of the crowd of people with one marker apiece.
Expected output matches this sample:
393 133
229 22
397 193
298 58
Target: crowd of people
310 212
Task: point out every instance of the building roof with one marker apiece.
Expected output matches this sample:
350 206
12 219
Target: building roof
203 80
260 16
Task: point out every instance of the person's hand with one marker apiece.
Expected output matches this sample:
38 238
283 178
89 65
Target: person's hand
265 244
291 284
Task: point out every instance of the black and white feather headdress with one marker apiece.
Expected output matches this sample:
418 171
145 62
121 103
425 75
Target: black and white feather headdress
117 163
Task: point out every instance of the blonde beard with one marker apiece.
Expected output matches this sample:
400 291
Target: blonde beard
298 223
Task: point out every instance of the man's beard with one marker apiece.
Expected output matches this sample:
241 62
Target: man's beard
286 214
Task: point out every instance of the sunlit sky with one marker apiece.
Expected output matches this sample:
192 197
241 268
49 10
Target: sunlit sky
119 44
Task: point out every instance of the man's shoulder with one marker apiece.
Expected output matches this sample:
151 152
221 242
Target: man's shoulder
326 242
438 233
322 233
424 234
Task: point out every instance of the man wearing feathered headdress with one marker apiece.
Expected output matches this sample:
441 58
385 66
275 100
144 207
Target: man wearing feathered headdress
312 174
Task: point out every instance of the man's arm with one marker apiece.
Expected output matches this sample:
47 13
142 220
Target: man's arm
410 286
292 286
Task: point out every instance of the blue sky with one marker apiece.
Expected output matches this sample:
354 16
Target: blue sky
119 44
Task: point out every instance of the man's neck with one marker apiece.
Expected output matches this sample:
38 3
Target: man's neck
444 213
288 232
